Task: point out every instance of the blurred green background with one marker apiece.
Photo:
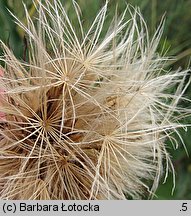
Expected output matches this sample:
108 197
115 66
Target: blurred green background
176 39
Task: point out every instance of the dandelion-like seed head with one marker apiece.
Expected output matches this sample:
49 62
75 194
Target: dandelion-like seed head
86 116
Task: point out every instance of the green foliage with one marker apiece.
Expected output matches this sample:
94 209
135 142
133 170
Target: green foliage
176 37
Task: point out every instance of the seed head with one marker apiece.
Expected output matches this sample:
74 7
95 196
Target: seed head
86 116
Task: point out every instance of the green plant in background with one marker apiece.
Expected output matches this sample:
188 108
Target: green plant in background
176 37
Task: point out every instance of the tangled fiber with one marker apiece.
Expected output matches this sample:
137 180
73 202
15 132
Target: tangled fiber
86 116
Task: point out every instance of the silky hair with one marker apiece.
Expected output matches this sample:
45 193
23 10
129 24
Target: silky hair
87 115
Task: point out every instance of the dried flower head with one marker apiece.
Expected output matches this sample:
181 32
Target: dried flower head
86 116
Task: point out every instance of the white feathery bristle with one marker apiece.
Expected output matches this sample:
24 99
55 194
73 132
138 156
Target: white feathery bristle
87 116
